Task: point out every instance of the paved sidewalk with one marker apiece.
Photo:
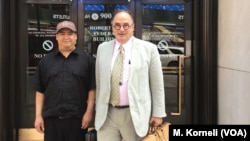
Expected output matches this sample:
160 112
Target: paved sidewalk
30 134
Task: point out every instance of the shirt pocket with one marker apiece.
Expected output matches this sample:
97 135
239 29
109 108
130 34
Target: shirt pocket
51 77
79 73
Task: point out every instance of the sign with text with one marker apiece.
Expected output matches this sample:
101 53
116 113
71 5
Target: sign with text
97 26
42 29
211 132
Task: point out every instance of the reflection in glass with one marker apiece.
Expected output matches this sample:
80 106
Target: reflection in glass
163 25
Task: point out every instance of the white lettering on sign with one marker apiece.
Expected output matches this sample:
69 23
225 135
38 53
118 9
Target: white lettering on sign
48 45
87 16
180 17
39 55
102 33
100 28
96 16
61 17
105 15
101 39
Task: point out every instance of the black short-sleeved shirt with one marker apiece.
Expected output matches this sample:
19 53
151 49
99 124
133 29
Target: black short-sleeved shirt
65 82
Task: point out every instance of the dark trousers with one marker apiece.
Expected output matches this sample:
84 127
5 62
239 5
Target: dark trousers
68 129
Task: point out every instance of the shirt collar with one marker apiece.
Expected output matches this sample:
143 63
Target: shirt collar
75 51
127 45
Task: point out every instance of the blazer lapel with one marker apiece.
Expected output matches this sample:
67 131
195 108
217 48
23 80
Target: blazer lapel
134 55
108 57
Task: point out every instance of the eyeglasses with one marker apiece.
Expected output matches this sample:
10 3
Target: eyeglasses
126 26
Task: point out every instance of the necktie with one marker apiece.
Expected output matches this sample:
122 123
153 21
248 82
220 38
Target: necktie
116 77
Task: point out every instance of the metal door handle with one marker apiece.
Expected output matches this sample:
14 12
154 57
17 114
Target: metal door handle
180 71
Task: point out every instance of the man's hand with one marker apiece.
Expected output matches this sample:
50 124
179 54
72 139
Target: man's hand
155 121
86 120
39 124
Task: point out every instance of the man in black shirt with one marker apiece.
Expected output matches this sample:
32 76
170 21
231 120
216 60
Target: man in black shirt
65 89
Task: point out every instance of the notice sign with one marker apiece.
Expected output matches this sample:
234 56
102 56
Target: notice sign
40 43
210 132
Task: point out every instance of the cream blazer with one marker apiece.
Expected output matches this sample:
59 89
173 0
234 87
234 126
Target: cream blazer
145 84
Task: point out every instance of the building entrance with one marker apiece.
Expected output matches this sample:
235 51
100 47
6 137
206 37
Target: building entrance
164 23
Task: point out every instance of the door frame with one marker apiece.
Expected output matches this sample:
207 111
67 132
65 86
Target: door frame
205 43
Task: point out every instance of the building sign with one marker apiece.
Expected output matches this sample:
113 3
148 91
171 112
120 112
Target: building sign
98 24
101 33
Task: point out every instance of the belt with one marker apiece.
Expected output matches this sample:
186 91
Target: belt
64 117
120 106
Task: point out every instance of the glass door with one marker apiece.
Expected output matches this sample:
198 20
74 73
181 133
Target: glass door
41 27
160 22
39 19
167 24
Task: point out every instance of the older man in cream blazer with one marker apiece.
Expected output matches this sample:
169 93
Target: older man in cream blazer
144 86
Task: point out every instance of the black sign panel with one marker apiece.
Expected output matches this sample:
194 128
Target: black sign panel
42 21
